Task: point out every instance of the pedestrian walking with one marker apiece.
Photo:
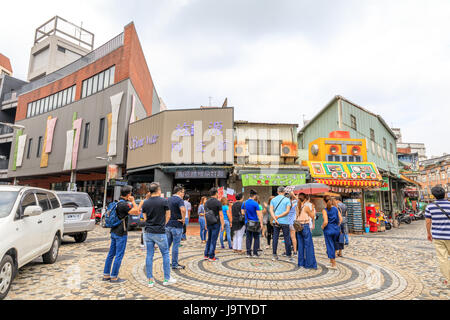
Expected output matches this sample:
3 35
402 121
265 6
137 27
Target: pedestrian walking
188 207
157 215
227 218
254 223
267 222
437 217
291 218
201 219
174 228
119 235
215 224
331 230
304 215
238 224
344 225
279 209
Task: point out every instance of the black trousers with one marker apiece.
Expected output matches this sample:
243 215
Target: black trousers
269 233
249 239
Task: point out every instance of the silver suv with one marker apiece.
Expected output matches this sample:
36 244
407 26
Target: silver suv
79 214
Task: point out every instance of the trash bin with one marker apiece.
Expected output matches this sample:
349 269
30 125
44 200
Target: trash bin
317 232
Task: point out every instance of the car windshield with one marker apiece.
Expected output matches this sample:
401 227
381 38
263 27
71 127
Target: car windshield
75 200
7 199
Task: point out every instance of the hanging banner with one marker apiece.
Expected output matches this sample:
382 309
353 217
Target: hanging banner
277 179
385 184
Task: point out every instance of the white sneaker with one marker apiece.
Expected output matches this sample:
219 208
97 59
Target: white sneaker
169 282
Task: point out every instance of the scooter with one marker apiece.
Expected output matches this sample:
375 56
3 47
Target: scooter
419 215
405 218
98 215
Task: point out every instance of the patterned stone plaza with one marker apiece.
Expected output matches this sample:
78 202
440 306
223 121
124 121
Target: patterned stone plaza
397 264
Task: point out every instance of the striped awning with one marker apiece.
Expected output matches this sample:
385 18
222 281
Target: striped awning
350 183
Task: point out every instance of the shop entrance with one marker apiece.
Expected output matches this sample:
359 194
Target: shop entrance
196 189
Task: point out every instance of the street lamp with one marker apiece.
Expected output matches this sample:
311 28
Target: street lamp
12 125
108 160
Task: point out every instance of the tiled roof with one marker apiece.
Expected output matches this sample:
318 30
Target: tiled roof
5 63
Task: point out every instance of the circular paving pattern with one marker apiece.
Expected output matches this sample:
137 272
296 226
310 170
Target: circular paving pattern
237 277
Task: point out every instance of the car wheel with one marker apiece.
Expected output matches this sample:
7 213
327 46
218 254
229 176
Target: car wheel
6 275
51 256
80 237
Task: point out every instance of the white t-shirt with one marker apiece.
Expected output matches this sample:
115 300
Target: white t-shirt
309 205
188 207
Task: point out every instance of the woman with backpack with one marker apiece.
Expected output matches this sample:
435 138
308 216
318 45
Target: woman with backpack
238 224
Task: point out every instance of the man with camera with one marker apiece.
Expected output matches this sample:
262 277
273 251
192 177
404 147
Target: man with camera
279 210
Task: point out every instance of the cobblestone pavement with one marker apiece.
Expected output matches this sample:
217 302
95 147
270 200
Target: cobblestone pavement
397 264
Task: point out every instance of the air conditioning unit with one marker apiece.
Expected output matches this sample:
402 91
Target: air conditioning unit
240 149
289 150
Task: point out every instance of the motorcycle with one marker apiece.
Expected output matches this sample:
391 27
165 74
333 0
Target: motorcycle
419 215
404 218
98 215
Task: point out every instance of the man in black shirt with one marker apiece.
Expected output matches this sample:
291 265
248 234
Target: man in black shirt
214 205
174 228
119 235
157 214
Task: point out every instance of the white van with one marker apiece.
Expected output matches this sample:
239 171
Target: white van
31 225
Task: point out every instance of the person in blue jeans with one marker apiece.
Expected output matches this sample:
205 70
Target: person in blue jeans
201 219
188 207
306 256
215 207
174 228
279 210
157 214
227 220
253 213
119 236
331 230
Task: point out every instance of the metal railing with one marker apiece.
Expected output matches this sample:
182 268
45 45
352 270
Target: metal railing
92 56
4 164
10 96
5 129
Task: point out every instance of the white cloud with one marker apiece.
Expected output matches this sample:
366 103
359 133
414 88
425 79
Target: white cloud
391 57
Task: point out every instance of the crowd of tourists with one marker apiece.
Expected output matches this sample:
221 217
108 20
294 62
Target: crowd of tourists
287 214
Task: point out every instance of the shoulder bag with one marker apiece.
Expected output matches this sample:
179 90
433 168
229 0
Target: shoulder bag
210 216
241 217
252 226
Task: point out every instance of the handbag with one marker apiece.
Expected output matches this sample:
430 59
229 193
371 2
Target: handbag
341 238
253 226
210 216
242 217
298 226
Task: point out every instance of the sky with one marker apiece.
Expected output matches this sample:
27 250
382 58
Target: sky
275 61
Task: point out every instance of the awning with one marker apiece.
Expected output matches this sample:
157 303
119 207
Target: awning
351 183
409 180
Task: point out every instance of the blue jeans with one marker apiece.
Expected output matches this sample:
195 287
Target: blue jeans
346 238
186 222
213 234
174 236
117 250
203 231
228 231
306 256
249 237
161 240
286 235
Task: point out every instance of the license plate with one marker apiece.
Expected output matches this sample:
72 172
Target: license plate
72 217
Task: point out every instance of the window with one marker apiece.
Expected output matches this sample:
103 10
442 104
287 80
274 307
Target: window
89 86
73 94
59 100
43 201
46 104
262 147
27 200
86 135
253 147
372 134
384 144
30 141
106 81
63 50
353 122
391 148
111 75
53 200
101 78
41 107
84 89
64 98
38 152
29 110
94 84
101 131
50 103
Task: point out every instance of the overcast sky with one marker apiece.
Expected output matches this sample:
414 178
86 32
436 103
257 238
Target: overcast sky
275 60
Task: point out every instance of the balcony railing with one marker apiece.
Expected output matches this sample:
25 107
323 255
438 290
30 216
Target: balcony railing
5 129
4 164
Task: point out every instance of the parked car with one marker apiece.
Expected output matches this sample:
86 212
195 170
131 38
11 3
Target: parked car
31 225
79 214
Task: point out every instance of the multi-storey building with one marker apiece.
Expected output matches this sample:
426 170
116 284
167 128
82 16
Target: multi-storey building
418 148
79 114
340 114
8 105
435 171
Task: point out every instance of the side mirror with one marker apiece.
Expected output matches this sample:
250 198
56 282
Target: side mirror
32 211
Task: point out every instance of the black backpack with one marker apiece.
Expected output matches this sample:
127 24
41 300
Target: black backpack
210 216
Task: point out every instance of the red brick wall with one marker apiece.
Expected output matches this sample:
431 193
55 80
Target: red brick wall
129 61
